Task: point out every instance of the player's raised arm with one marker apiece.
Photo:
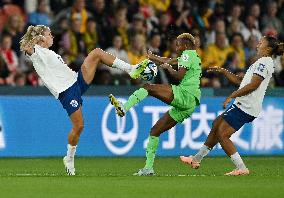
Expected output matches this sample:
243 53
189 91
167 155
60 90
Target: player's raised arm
233 78
161 60
178 75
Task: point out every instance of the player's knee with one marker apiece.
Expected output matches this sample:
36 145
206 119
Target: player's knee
154 132
221 135
79 127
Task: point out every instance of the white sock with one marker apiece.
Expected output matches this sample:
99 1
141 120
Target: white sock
71 150
203 151
237 160
120 64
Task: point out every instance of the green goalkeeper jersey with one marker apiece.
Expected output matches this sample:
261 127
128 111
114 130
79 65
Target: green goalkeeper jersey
191 81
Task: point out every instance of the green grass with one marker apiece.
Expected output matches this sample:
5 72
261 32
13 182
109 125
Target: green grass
112 177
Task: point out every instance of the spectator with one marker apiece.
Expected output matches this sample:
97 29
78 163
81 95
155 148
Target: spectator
164 30
233 28
101 15
255 12
171 50
137 26
133 8
20 79
270 20
58 33
181 16
92 35
216 54
40 16
76 12
250 29
4 71
152 22
250 49
234 15
219 26
161 5
14 27
237 46
137 49
154 44
8 54
73 43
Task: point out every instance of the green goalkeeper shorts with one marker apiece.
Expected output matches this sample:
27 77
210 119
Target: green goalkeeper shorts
183 104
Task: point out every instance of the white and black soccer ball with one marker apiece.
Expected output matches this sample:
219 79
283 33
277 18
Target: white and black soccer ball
150 71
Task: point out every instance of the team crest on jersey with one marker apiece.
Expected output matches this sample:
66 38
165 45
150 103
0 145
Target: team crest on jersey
74 103
185 57
261 67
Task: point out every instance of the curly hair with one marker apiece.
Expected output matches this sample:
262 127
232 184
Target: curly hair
187 39
33 35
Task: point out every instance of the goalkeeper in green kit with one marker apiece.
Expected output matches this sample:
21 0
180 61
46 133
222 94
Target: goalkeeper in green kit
183 97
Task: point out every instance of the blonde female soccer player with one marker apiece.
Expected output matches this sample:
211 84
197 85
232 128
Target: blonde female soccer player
247 105
66 85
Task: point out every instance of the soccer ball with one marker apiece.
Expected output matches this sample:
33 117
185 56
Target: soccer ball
150 71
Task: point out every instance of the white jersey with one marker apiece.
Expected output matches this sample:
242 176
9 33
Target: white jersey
55 74
252 103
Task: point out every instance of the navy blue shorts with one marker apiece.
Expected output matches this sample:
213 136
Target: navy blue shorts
71 99
236 118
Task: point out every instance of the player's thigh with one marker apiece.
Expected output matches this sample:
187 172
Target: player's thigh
89 65
216 124
179 115
77 119
161 92
165 123
225 130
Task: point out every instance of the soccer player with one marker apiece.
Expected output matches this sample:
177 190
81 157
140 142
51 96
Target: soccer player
66 85
246 107
183 97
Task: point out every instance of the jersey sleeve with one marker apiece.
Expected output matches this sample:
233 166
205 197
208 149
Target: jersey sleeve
185 61
262 69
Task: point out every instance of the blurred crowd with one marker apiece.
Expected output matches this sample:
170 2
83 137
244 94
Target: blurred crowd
226 32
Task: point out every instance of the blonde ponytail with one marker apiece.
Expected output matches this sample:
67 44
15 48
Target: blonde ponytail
33 36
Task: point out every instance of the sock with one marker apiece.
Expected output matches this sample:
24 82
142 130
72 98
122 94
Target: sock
203 151
151 151
237 160
120 64
135 98
71 150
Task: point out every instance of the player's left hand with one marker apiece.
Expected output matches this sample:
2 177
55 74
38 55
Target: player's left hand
226 102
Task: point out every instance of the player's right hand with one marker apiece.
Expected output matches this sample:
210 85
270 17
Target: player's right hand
215 69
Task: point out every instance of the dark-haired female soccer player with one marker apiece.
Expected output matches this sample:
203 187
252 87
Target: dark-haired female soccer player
246 107
183 97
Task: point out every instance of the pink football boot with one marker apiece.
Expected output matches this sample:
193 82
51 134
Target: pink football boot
189 161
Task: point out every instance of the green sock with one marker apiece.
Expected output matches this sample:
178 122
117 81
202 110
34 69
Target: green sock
135 98
151 151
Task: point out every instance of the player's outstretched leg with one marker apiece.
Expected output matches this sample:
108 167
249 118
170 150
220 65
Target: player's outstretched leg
211 141
97 56
135 98
161 92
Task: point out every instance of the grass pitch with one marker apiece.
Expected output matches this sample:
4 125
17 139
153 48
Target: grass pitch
112 177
